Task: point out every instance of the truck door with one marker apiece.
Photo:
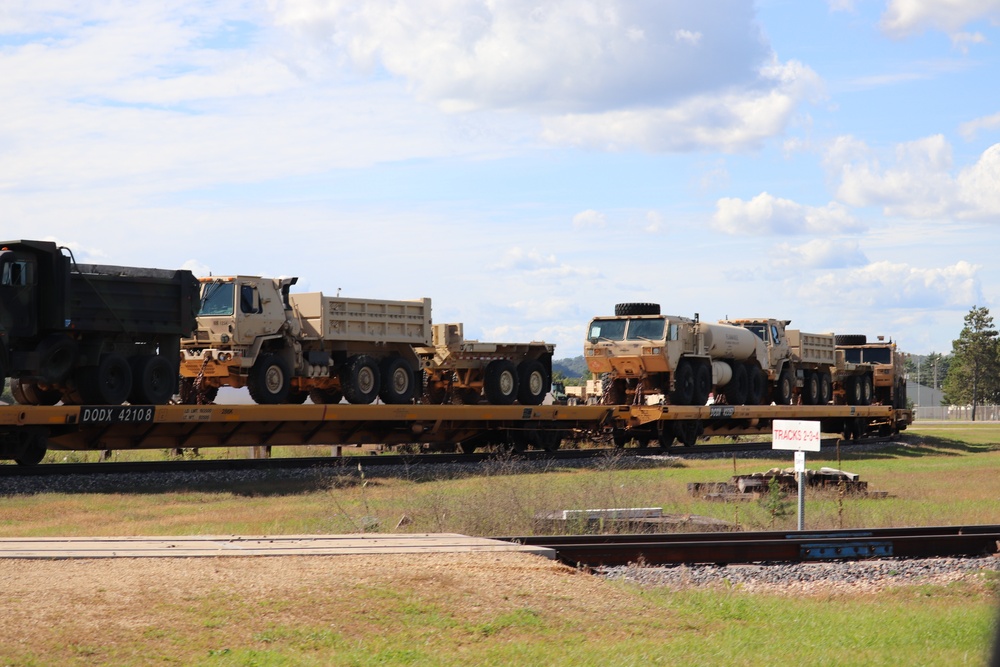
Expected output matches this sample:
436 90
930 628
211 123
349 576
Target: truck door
18 294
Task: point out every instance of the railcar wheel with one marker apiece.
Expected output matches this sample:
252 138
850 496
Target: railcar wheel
398 385
153 380
683 393
665 433
270 380
501 382
533 382
687 431
32 448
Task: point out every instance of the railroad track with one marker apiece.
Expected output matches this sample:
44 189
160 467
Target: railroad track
381 460
726 548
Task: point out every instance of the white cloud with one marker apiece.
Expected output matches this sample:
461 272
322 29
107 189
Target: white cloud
819 254
767 214
920 183
972 127
614 75
589 219
898 285
906 17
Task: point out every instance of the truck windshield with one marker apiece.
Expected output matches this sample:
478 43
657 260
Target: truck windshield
877 355
759 329
217 299
607 329
852 356
646 329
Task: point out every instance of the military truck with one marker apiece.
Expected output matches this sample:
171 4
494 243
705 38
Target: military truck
457 370
90 334
808 368
285 347
684 361
887 363
641 352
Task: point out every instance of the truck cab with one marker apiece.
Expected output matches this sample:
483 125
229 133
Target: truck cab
635 346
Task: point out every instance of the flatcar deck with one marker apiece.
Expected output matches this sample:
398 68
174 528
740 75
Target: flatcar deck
187 426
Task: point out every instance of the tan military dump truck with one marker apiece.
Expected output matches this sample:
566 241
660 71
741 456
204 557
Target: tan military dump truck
457 370
641 353
284 347
808 368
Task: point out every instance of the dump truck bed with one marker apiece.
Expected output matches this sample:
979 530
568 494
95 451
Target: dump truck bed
363 320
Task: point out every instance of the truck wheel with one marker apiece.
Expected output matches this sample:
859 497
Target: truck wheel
359 379
785 389
755 383
325 396
825 388
810 390
501 383
867 390
270 380
683 393
702 384
850 339
736 390
397 381
629 309
107 383
153 380
57 355
532 382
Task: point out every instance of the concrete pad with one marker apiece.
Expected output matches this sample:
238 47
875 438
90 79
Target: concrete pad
239 545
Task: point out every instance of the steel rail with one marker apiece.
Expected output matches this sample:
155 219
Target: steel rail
757 547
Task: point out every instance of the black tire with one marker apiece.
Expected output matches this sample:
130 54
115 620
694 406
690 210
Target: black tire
26 392
360 379
398 384
702 384
270 380
665 433
533 382
107 383
850 339
755 383
297 397
867 390
32 447
811 389
501 382
687 431
629 309
683 393
825 388
785 389
57 356
736 390
325 396
153 380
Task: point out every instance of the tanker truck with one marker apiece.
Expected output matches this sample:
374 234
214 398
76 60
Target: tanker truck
808 368
285 347
641 352
90 334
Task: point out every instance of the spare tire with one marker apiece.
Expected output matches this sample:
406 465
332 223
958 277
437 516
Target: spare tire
850 339
629 309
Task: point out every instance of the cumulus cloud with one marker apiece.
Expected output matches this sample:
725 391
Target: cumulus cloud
920 182
906 17
767 214
589 219
898 285
666 76
819 254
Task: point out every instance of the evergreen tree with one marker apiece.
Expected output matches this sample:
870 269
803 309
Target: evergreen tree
974 374
933 370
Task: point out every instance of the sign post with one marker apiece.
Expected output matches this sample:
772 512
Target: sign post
799 436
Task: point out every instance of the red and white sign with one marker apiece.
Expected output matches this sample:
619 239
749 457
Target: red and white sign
798 435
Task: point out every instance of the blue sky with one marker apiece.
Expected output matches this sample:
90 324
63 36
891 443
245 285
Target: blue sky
526 164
